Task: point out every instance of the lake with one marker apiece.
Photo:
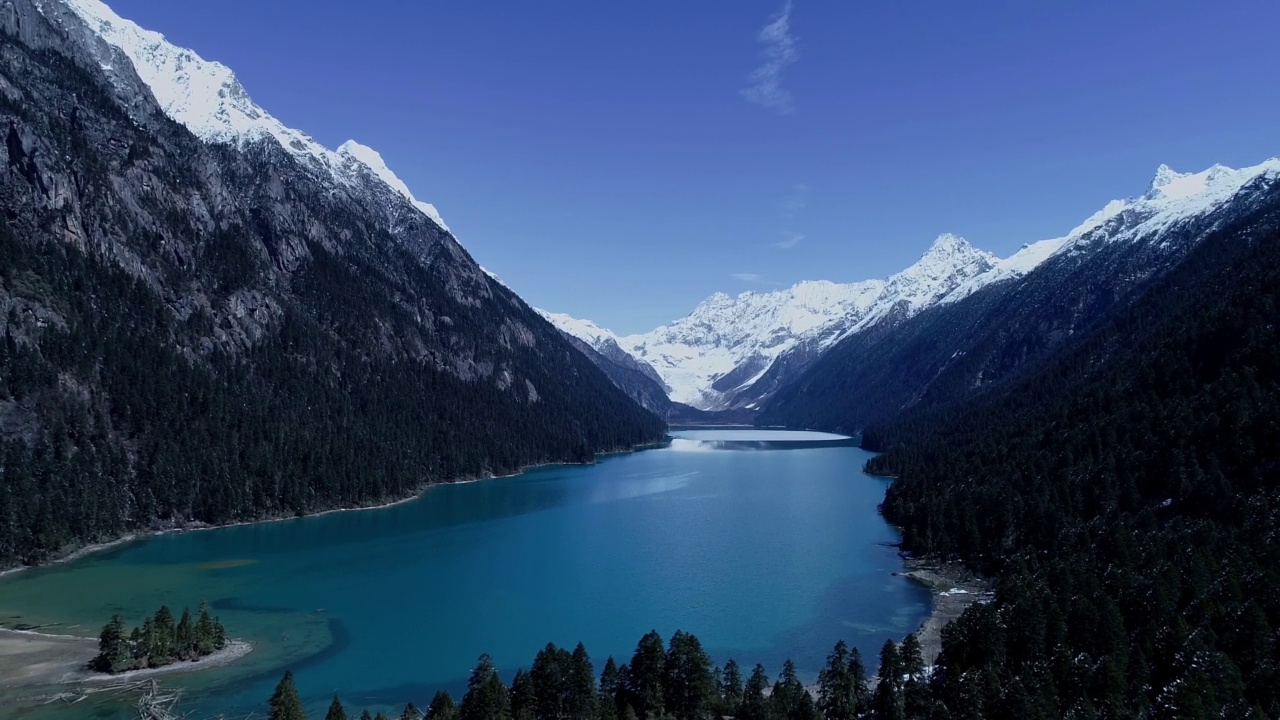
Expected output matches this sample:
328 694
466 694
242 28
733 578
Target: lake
765 544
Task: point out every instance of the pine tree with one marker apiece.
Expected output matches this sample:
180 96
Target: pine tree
610 688
754 704
858 676
148 648
787 700
184 638
643 679
410 713
550 679
915 692
687 683
165 632
524 704
113 648
336 711
887 702
487 697
285 703
730 688
837 699
205 632
442 707
582 685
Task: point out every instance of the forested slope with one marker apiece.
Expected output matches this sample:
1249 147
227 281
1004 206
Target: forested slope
1127 498
195 332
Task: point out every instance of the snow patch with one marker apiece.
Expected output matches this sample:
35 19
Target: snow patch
207 98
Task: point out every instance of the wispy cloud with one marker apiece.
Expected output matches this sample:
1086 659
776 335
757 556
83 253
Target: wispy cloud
788 241
746 277
796 200
779 51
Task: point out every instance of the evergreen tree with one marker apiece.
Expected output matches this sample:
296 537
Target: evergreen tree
205 631
410 713
582 685
786 702
524 704
487 697
915 691
755 706
285 703
149 648
643 679
442 707
730 687
837 694
336 711
184 638
610 690
550 676
887 701
858 676
689 689
113 648
165 632
366 715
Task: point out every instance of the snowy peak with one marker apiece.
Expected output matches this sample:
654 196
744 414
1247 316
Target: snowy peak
948 245
202 95
1170 198
947 265
585 330
206 97
372 160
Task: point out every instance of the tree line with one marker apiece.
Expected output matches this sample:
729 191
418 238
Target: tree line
675 681
158 641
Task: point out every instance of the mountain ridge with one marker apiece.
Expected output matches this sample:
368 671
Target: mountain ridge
207 98
709 360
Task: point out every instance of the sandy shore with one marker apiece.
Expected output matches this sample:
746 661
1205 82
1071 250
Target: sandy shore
954 589
32 658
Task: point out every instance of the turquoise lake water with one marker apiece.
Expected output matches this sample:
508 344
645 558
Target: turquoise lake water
765 545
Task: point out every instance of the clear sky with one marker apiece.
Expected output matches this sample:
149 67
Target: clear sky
620 161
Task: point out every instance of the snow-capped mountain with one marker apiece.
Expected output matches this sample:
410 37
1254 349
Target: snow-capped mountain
1049 297
728 343
733 352
207 98
1172 197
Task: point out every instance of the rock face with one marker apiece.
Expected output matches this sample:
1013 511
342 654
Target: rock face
241 260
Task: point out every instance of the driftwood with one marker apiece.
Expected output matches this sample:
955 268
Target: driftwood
156 703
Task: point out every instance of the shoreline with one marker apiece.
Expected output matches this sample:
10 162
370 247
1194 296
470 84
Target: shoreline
197 526
29 658
953 589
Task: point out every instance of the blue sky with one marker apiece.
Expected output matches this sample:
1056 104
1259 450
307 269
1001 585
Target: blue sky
622 161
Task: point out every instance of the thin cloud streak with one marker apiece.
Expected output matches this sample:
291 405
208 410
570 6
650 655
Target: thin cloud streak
790 240
746 277
765 88
797 200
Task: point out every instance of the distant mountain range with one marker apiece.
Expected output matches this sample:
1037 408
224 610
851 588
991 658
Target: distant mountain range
741 353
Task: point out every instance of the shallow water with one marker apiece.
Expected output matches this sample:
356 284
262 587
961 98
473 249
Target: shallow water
764 545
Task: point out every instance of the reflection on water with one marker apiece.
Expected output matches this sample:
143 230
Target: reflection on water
765 555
